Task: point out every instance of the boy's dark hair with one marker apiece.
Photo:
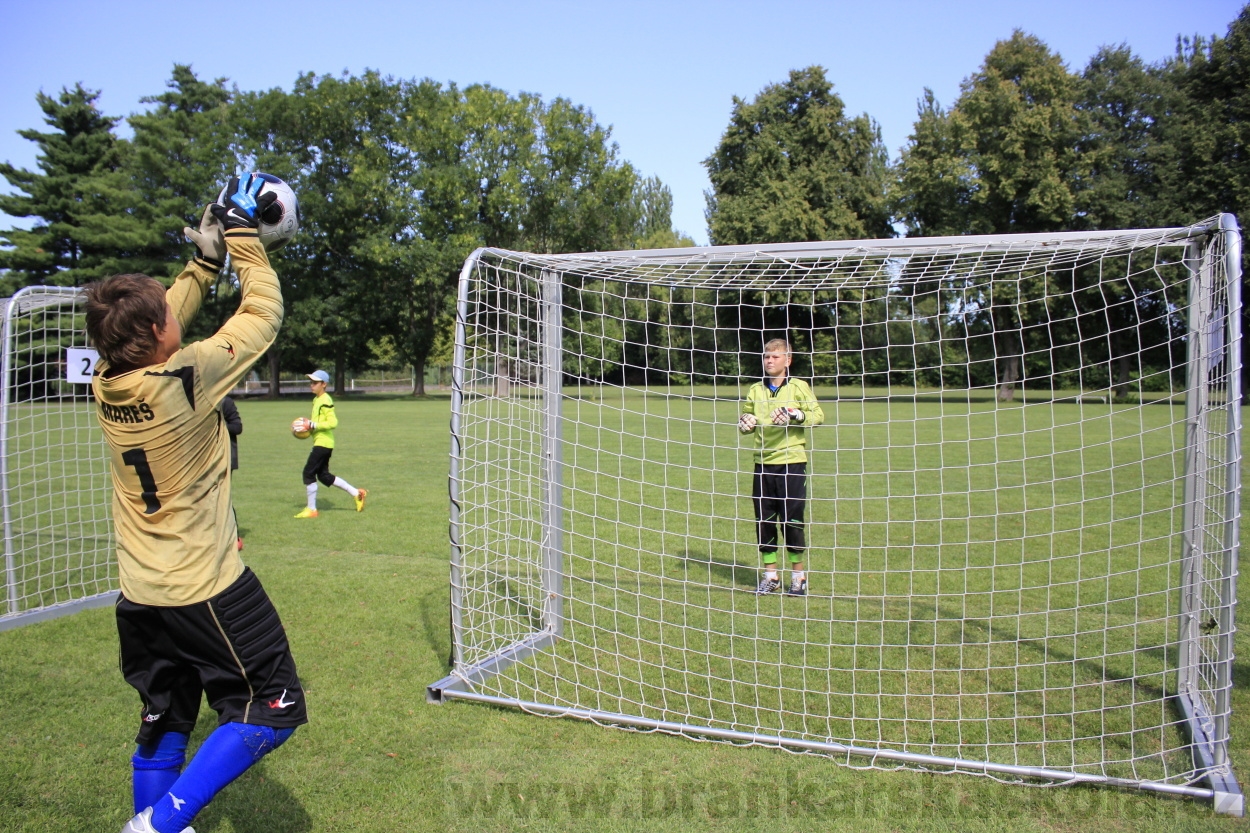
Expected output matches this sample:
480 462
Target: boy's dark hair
120 313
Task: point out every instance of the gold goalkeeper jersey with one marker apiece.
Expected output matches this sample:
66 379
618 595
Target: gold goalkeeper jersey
176 537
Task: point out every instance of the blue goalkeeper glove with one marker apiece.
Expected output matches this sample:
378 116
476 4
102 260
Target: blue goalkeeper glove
243 208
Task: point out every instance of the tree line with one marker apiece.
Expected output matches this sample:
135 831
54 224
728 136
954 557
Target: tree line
1027 146
400 180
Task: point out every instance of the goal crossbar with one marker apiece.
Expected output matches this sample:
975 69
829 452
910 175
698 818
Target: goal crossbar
990 243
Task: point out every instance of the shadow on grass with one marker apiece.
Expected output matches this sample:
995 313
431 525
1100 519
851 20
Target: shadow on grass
255 804
722 572
435 614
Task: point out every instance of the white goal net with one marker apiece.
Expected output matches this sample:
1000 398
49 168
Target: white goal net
1021 515
54 477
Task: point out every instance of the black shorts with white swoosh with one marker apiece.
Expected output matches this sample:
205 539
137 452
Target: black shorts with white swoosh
232 648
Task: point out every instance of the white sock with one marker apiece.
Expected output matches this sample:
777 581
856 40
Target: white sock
797 575
770 574
311 488
345 486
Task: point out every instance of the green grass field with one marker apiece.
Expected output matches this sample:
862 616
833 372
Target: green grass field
986 583
365 598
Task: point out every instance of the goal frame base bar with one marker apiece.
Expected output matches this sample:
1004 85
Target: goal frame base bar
462 682
1224 792
1228 806
43 614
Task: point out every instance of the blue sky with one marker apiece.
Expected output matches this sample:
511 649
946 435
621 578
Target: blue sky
662 74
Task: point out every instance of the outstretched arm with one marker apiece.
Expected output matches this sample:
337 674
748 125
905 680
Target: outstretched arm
191 287
226 357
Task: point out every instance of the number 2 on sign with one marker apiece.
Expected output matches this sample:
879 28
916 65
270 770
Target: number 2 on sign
138 458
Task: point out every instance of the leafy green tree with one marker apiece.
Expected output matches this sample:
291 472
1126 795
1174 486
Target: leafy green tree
534 176
1210 128
1210 134
328 138
1126 104
578 194
90 221
182 156
655 211
434 221
793 166
935 178
1006 157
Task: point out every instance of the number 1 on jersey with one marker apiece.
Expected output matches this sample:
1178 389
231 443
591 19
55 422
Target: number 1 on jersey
138 458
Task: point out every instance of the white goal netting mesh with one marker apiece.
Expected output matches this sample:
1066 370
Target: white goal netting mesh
1021 512
54 477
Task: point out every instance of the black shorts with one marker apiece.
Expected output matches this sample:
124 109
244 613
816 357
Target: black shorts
779 494
232 648
318 466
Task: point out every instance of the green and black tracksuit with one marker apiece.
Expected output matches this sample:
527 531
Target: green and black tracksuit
779 484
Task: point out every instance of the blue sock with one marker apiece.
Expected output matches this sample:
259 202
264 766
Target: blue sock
156 767
224 756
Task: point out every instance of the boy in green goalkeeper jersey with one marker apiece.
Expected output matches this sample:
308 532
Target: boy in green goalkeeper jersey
777 410
322 425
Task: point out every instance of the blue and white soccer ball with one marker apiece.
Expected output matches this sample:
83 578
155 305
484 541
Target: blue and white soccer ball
280 221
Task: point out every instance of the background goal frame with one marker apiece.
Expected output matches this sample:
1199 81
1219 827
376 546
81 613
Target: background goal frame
54 479
514 428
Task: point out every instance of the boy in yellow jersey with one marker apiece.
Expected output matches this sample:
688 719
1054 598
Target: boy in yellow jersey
192 620
780 408
322 425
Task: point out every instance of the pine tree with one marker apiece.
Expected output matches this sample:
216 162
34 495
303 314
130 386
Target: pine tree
89 221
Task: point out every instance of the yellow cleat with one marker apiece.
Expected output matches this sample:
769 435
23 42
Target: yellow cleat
360 499
306 513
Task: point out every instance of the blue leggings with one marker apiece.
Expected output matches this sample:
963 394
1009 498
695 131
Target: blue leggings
226 754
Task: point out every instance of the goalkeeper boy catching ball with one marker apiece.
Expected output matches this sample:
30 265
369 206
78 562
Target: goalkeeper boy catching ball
191 619
777 410
322 425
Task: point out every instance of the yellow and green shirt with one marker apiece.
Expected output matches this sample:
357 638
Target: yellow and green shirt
778 444
324 418
169 448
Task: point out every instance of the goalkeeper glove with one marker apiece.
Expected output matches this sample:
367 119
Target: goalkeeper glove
210 246
796 416
243 208
746 423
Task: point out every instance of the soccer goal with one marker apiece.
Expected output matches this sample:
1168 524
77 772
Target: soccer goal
54 476
1022 507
